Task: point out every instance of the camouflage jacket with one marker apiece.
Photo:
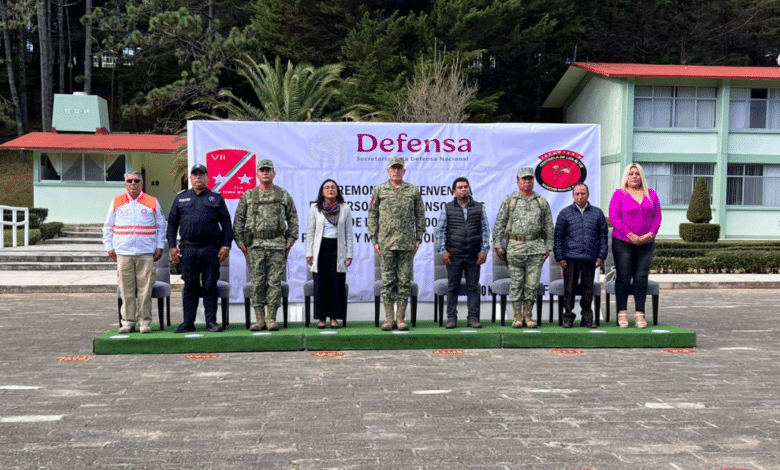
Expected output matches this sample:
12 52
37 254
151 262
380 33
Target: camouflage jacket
521 216
271 215
396 218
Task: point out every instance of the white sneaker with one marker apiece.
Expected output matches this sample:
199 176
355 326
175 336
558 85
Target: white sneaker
127 329
146 329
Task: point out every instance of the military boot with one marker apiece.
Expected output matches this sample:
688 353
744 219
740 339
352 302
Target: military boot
528 316
260 315
400 316
389 316
517 308
270 318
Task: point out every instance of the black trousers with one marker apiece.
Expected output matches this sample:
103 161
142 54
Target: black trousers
578 279
330 296
200 273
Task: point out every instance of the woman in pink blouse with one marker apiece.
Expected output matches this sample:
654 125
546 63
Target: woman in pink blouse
635 214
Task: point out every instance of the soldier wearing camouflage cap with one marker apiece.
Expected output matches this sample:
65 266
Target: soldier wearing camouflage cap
396 223
523 236
265 228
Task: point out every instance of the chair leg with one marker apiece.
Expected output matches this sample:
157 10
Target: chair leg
606 318
285 306
247 311
597 309
539 300
376 311
655 310
435 307
119 310
346 314
414 311
160 313
307 311
503 310
441 310
560 311
168 310
493 310
552 301
225 313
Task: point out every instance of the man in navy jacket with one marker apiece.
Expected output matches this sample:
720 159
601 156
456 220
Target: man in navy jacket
580 246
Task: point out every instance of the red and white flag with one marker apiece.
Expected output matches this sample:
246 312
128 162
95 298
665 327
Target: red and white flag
231 172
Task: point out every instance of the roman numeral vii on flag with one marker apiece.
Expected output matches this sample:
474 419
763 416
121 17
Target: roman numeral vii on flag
231 171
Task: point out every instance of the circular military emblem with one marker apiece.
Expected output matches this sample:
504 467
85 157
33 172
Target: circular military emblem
329 148
560 170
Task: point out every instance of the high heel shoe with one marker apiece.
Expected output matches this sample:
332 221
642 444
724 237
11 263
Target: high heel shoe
640 321
623 320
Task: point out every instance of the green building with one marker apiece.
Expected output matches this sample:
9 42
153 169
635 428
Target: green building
681 123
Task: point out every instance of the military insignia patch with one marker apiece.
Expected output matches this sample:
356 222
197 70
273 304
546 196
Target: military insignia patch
560 170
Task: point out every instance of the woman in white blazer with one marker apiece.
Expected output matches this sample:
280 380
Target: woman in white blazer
329 252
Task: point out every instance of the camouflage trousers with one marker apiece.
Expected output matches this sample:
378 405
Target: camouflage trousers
265 271
525 271
397 274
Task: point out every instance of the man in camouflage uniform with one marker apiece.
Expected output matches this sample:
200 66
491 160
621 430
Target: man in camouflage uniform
524 226
265 228
396 223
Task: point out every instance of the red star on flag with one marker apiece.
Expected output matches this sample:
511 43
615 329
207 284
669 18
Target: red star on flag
231 171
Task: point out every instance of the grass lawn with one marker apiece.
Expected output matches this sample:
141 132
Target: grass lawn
16 179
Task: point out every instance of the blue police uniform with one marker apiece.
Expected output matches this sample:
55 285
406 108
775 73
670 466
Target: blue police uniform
203 221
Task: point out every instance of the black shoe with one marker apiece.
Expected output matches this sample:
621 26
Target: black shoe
213 327
451 324
568 323
588 325
474 324
184 328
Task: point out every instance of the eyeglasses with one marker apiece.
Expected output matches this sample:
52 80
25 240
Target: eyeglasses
133 181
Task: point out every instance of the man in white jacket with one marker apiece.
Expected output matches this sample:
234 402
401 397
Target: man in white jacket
134 236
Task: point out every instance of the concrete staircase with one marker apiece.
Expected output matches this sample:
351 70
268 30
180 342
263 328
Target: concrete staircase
79 247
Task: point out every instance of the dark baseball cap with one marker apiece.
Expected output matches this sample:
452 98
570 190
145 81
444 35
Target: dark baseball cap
200 168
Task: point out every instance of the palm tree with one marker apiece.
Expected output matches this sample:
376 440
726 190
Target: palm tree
292 93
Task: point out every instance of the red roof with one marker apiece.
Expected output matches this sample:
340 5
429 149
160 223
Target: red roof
680 71
97 142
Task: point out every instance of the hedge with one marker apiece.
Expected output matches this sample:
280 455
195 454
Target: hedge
700 232
51 229
721 261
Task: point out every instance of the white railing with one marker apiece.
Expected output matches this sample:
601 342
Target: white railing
14 224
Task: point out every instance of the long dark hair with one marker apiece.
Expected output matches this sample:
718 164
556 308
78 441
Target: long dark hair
321 198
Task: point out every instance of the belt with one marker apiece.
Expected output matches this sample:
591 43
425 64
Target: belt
189 244
266 234
523 238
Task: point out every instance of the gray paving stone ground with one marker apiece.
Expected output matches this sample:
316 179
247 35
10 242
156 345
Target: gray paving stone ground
627 409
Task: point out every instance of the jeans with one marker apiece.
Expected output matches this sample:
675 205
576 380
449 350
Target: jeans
632 268
454 273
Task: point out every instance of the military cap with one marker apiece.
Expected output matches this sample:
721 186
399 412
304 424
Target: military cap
525 172
265 163
199 168
392 161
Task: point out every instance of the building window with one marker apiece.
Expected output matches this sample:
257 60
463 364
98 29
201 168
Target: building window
755 108
89 167
674 182
684 107
753 185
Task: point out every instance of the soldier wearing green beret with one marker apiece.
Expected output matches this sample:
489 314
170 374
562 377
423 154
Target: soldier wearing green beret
523 237
265 228
396 223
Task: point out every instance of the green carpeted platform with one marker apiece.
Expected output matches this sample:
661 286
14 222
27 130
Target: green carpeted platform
364 335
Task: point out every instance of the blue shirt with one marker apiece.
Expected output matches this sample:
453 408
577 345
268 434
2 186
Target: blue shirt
200 218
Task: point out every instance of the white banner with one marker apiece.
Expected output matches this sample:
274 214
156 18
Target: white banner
355 156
